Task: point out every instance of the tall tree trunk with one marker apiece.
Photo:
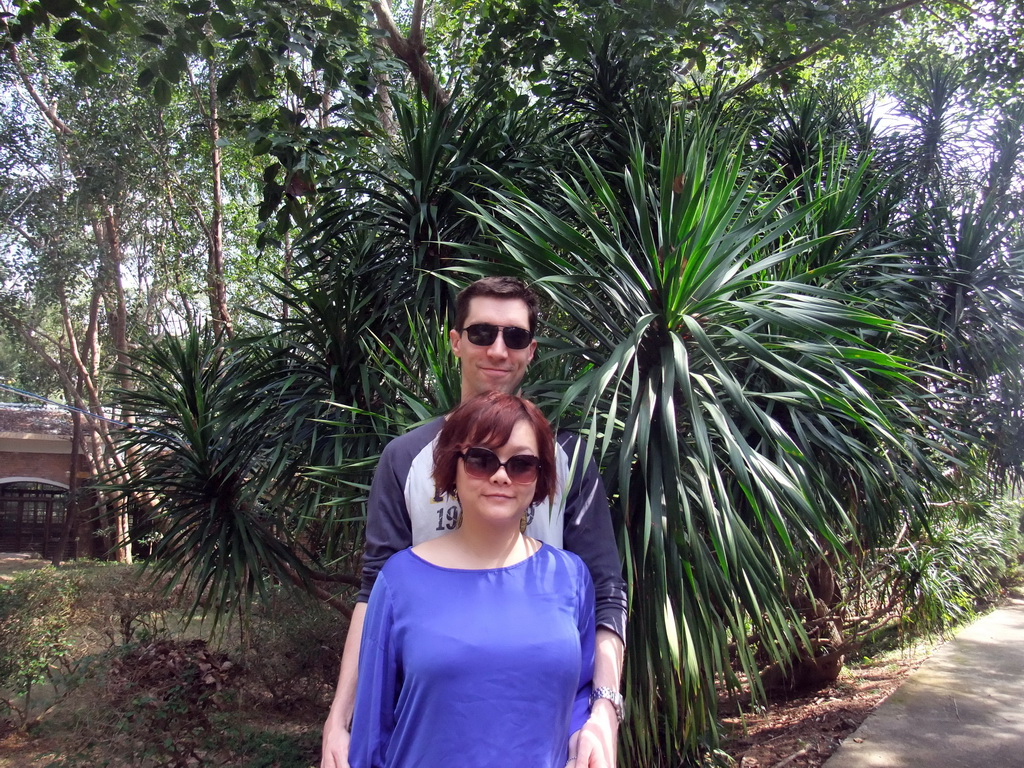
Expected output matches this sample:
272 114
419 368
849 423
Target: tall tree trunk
107 288
117 307
217 284
73 505
411 50
117 321
286 270
382 98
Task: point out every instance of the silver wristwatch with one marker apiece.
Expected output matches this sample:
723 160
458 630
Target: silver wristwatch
612 695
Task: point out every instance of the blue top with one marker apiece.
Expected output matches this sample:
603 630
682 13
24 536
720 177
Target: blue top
471 668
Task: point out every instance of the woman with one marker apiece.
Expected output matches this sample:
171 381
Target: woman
478 646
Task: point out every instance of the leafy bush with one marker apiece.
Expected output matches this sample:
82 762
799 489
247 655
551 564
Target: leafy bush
145 705
254 747
168 689
120 604
293 648
35 634
962 566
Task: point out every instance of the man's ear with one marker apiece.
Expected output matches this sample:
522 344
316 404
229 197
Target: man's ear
533 350
455 339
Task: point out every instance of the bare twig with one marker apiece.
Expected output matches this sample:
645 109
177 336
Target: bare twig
51 115
791 758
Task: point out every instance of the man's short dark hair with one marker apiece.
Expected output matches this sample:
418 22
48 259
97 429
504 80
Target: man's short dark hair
498 288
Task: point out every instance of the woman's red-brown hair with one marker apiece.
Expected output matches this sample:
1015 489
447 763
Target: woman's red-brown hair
487 420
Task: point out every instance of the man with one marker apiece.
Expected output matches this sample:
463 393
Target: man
493 337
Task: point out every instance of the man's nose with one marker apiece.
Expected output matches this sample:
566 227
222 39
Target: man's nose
498 348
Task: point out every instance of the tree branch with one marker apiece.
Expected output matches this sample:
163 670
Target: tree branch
411 52
416 27
318 592
12 53
785 64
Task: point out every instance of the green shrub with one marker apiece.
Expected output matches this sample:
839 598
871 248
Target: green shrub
133 691
292 649
254 747
35 635
120 604
145 704
961 567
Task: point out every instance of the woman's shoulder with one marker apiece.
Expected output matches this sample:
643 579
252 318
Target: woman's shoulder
398 565
563 558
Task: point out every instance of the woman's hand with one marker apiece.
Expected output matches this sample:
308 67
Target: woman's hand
593 745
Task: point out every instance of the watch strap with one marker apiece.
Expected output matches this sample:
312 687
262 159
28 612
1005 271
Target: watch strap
604 692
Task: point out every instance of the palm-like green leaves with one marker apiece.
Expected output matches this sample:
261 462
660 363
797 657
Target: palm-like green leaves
204 461
735 400
749 328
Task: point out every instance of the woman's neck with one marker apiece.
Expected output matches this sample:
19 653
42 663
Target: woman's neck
490 546
478 547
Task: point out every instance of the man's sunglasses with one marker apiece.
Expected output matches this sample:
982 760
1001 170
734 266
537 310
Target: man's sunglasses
484 334
482 463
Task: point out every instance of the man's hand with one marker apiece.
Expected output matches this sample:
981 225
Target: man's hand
595 747
334 746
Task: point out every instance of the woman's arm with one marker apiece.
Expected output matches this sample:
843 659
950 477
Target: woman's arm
373 717
596 747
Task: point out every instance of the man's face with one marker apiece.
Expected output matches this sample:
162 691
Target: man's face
494 367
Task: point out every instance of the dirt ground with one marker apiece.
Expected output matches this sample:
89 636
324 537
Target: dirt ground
11 563
804 731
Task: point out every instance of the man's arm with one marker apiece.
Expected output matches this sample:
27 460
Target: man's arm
596 747
589 533
334 745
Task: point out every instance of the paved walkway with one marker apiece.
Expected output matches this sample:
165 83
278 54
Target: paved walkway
962 708
12 562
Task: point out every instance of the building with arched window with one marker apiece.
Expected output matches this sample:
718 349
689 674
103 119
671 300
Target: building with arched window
35 474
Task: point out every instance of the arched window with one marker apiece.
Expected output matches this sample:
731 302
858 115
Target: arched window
31 516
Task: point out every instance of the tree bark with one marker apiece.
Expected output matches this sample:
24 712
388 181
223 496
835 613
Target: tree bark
71 511
117 322
217 284
411 50
382 98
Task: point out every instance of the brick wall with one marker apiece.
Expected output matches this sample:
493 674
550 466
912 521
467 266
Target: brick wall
45 466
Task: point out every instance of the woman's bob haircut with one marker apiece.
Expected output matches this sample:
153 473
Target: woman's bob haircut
487 421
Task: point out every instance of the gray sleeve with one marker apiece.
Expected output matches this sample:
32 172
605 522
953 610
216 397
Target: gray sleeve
589 533
388 528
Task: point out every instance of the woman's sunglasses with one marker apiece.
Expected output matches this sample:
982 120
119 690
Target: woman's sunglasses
482 463
484 334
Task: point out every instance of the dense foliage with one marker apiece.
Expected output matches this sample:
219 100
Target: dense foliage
789 321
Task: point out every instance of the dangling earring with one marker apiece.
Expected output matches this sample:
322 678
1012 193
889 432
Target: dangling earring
522 524
458 520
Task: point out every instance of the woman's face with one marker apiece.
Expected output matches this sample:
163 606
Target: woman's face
497 500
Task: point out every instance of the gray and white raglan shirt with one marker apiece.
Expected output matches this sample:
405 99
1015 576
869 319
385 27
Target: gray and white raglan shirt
404 509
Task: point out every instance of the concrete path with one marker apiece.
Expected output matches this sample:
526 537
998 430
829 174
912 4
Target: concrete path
13 562
963 707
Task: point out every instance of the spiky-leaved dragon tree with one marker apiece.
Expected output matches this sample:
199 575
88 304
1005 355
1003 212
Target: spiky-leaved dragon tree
735 402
